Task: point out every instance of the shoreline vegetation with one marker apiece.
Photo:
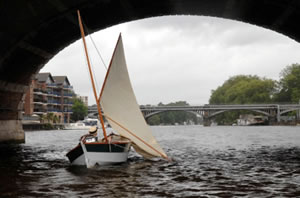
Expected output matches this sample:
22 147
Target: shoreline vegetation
252 89
42 126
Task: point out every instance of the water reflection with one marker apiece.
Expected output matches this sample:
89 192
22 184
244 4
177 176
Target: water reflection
212 161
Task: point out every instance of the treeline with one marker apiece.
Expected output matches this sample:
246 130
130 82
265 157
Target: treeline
248 89
79 109
173 117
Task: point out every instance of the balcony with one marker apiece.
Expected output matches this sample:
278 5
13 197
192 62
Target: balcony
42 101
51 93
56 93
39 111
54 110
68 87
53 102
68 111
68 103
68 94
38 91
51 85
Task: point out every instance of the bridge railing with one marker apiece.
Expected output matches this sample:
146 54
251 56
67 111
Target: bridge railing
263 107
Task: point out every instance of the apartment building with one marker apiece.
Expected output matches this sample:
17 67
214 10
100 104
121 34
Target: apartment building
47 94
84 99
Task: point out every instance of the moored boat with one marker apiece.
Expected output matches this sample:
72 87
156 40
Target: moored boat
77 126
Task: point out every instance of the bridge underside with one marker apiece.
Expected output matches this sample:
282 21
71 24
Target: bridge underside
34 31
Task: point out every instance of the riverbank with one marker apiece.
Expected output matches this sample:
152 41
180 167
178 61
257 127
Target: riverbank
42 126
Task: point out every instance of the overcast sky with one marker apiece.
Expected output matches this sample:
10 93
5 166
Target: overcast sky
179 57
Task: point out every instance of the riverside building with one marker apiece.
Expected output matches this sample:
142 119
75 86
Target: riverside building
84 99
49 94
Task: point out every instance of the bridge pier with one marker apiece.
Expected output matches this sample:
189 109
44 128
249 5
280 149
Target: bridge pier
272 120
206 122
11 131
206 119
11 105
274 117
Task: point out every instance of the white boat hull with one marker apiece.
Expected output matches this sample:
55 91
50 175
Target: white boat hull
77 128
99 153
101 158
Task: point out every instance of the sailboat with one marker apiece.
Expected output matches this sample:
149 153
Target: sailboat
120 108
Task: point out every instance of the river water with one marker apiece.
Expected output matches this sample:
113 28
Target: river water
207 162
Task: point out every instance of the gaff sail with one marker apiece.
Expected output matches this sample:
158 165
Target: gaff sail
121 109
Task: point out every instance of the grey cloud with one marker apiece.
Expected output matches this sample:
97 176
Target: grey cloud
184 58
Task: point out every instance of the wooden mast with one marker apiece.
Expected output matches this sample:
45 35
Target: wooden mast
91 75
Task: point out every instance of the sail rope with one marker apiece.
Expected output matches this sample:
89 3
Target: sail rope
87 69
91 38
92 67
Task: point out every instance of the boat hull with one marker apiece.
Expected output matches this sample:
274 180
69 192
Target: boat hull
99 153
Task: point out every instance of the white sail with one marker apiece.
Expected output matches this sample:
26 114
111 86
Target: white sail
120 107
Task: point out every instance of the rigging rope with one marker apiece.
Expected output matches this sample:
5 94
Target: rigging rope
87 70
98 52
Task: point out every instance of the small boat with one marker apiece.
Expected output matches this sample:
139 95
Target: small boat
85 124
258 120
77 126
91 151
251 120
122 112
91 122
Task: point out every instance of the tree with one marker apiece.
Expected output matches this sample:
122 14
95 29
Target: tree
242 89
289 84
50 117
43 118
79 110
55 119
154 120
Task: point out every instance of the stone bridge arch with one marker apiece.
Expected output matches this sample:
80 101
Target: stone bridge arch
35 31
266 113
150 114
209 115
289 110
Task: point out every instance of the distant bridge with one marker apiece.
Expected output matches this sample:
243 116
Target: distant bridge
272 111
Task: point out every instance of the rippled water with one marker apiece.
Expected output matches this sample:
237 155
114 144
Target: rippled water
208 162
